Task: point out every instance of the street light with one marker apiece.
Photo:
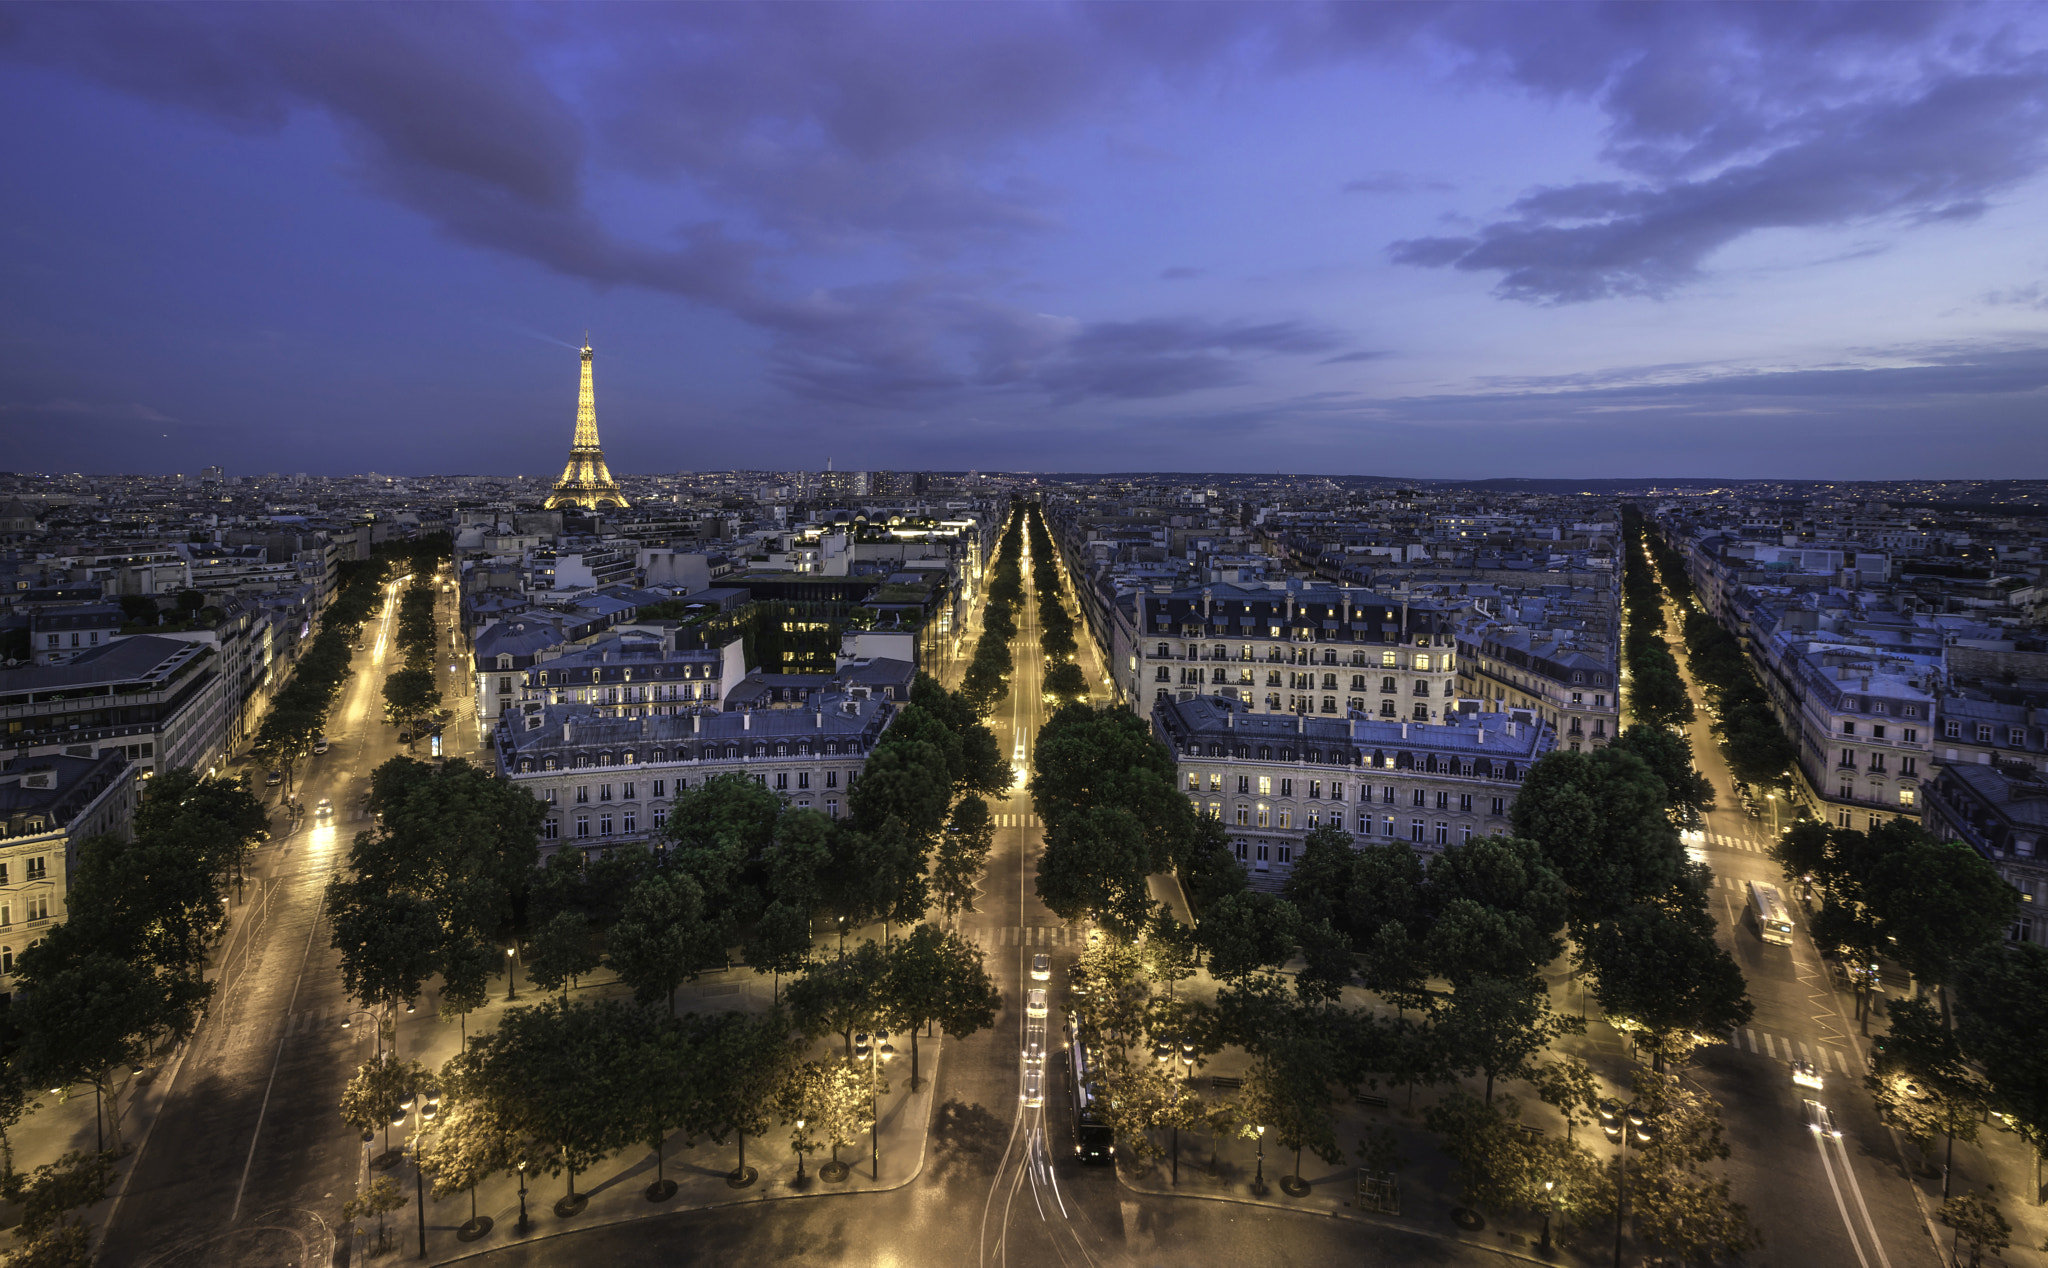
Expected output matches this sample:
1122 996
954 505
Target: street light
877 1054
511 972
1259 1180
1548 1185
523 1224
797 1145
1620 1122
428 1104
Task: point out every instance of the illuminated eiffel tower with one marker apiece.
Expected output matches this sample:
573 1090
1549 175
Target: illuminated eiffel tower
586 481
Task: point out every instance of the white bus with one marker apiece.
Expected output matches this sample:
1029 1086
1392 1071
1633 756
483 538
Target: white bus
1773 917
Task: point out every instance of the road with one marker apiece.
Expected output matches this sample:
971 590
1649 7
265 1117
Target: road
1838 1202
248 1162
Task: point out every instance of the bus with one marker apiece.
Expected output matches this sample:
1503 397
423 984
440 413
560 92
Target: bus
1773 917
1094 1139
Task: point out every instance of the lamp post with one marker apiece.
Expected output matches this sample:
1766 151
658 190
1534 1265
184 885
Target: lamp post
1548 1185
523 1224
876 1053
511 973
797 1145
1259 1180
428 1104
1620 1122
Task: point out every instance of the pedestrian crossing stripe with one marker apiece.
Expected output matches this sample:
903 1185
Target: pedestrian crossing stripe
1726 841
1779 1048
1025 936
1018 821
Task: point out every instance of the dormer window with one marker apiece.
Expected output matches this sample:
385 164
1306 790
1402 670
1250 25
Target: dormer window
504 660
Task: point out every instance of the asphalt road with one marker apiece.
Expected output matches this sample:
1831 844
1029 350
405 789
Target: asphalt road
248 1162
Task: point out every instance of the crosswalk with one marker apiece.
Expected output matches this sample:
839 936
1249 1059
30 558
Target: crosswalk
1729 841
1779 1048
1018 821
1025 936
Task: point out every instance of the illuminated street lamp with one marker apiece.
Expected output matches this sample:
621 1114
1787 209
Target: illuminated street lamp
1620 1122
511 973
1259 1180
1548 1185
523 1222
797 1144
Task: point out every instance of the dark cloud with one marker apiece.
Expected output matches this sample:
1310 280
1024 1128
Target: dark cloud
2032 295
1344 358
1734 119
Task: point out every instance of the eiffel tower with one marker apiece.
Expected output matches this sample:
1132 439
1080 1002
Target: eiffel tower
586 481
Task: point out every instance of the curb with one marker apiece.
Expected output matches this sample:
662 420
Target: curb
924 1145
1506 1252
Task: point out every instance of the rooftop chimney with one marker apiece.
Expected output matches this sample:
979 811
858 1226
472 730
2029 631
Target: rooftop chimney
565 730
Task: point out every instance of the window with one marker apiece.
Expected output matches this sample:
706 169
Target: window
38 868
1877 706
1422 713
803 779
1848 757
1422 662
1909 766
548 797
604 825
1905 796
1952 729
1443 833
1421 797
781 781
1315 788
1265 815
1264 851
1244 815
1387 660
831 808
660 817
1286 818
6 959
1877 761
831 779
2017 737
629 792
661 788
1848 728
550 829
1983 733
1387 793
1909 735
582 825
604 792
628 821
1286 788
1465 834
1336 791
1877 732
1500 806
1465 803
1215 782
1421 687
1244 785
504 686
1415 827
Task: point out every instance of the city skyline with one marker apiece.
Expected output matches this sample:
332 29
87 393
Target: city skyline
1783 242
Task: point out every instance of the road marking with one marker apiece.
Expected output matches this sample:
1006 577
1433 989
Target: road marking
1856 1187
1847 1227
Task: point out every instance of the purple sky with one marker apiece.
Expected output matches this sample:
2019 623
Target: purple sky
1447 240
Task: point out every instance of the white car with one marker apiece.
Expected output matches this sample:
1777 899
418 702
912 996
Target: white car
1041 967
1806 1074
1034 1085
1034 1002
320 745
1819 1121
325 809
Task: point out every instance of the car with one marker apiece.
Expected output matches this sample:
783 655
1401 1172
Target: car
320 745
405 737
1041 967
1819 1121
1806 1074
1034 1084
1034 1002
274 778
325 809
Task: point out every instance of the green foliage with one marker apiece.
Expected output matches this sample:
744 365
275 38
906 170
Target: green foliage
1658 969
963 853
841 994
1248 931
55 1189
1066 683
561 951
1601 819
1104 787
664 937
380 1199
937 977
1978 1224
1494 1027
2003 1012
378 1088
1668 754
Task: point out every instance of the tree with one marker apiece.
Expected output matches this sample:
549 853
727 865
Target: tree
1493 1026
390 943
84 1014
561 1075
1498 1168
411 693
664 938
561 951
743 1063
906 780
1923 1082
833 1098
936 976
1568 1085
963 853
1289 1092
1978 1224
1661 972
471 1142
380 1199
1095 863
373 1095
1939 902
1065 682
1246 932
1499 909
985 770
2003 1013
1668 754
1601 821
1674 1202
841 995
75 1180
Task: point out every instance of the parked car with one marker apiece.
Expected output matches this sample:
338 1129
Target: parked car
320 745
273 778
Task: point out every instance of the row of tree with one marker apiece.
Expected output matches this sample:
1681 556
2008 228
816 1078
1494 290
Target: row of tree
120 981
1064 679
988 671
1759 753
1657 695
412 692
298 711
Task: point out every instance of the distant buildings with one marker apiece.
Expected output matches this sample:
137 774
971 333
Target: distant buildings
48 805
